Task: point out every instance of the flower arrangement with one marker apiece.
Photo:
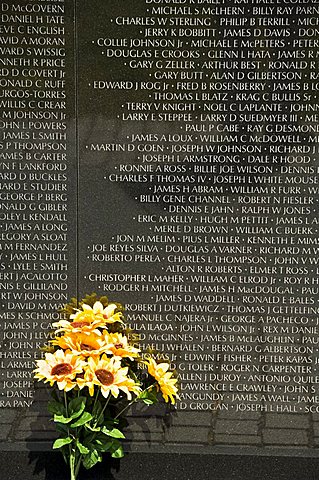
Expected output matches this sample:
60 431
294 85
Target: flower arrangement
96 374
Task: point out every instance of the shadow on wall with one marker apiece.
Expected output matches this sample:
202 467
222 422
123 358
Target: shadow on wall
145 425
50 466
40 433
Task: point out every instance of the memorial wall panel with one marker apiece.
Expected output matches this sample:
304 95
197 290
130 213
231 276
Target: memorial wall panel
165 154
38 201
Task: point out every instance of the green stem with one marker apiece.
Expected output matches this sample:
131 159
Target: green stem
103 410
133 401
66 403
77 468
95 400
72 467
72 458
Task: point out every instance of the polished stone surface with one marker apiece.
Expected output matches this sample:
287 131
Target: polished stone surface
49 466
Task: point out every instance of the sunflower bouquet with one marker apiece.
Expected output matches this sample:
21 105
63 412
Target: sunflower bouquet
97 372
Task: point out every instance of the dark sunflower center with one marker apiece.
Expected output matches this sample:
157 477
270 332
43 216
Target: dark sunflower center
118 345
61 369
105 377
80 324
80 375
85 346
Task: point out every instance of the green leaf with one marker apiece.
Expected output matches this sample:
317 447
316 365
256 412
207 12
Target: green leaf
76 407
85 418
60 442
148 397
56 408
61 427
97 409
110 421
104 300
82 448
97 413
61 419
116 449
134 376
143 395
103 446
89 439
55 396
114 433
118 453
92 429
92 459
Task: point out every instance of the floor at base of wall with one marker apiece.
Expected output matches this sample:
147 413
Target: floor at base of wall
50 466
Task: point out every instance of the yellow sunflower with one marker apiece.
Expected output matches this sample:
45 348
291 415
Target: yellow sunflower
157 370
117 344
165 383
106 312
89 319
168 388
82 344
60 367
108 374
84 322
